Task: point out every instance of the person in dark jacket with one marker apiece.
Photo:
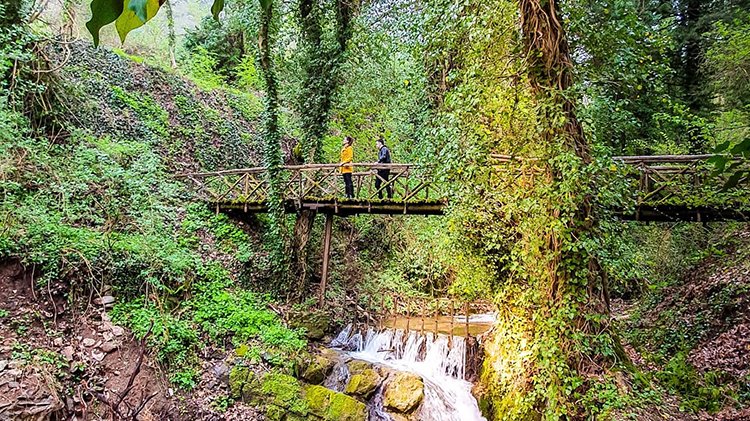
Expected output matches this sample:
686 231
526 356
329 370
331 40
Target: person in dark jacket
384 157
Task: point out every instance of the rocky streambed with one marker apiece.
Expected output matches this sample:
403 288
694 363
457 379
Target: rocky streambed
378 376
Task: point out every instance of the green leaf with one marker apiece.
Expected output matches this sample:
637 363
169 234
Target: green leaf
103 12
741 147
734 180
721 148
139 7
265 5
128 20
719 162
216 8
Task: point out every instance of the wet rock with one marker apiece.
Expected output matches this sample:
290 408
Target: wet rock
330 405
363 383
106 300
315 368
88 342
315 323
404 392
358 366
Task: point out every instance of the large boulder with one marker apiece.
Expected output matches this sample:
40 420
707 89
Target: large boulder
363 383
314 323
315 368
404 392
333 406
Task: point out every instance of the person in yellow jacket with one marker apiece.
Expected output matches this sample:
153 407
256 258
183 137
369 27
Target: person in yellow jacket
346 168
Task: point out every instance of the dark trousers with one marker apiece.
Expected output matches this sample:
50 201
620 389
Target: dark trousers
348 185
382 178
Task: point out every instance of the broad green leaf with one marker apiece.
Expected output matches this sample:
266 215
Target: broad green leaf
719 162
103 12
216 8
734 180
139 7
721 148
128 20
741 147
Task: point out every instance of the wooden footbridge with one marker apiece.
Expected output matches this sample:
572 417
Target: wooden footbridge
663 188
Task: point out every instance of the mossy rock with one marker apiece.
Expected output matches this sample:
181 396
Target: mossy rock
404 392
315 323
358 366
242 382
363 383
283 391
314 368
333 406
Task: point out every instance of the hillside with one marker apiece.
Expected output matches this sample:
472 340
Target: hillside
97 235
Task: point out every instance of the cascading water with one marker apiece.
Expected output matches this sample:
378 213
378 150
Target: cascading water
438 359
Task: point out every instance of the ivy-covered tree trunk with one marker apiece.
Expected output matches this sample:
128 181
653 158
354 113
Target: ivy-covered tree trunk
321 64
272 158
551 335
526 218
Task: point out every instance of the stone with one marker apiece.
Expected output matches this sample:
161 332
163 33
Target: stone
57 342
316 368
333 406
315 323
404 392
97 355
3 364
108 347
105 300
358 366
118 331
242 381
221 372
364 383
68 352
88 342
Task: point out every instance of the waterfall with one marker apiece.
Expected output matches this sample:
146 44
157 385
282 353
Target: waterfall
439 359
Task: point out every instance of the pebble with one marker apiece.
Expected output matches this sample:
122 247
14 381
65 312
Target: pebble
108 347
67 352
58 342
105 300
13 385
97 355
88 342
3 364
118 331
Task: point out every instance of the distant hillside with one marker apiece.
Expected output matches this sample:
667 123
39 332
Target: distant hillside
117 96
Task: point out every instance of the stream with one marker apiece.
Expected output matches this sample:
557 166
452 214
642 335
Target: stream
440 360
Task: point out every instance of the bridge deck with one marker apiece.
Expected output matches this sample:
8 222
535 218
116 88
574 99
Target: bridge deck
664 188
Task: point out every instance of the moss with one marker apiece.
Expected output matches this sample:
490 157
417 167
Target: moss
284 391
358 366
314 369
237 380
334 406
315 323
364 383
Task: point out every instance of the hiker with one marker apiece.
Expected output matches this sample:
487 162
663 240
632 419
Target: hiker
384 157
346 168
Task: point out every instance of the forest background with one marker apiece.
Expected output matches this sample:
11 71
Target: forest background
432 78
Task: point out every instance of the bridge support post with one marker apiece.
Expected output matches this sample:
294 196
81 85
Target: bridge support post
326 252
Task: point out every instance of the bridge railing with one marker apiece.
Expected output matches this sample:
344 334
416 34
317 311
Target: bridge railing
407 182
669 180
685 180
